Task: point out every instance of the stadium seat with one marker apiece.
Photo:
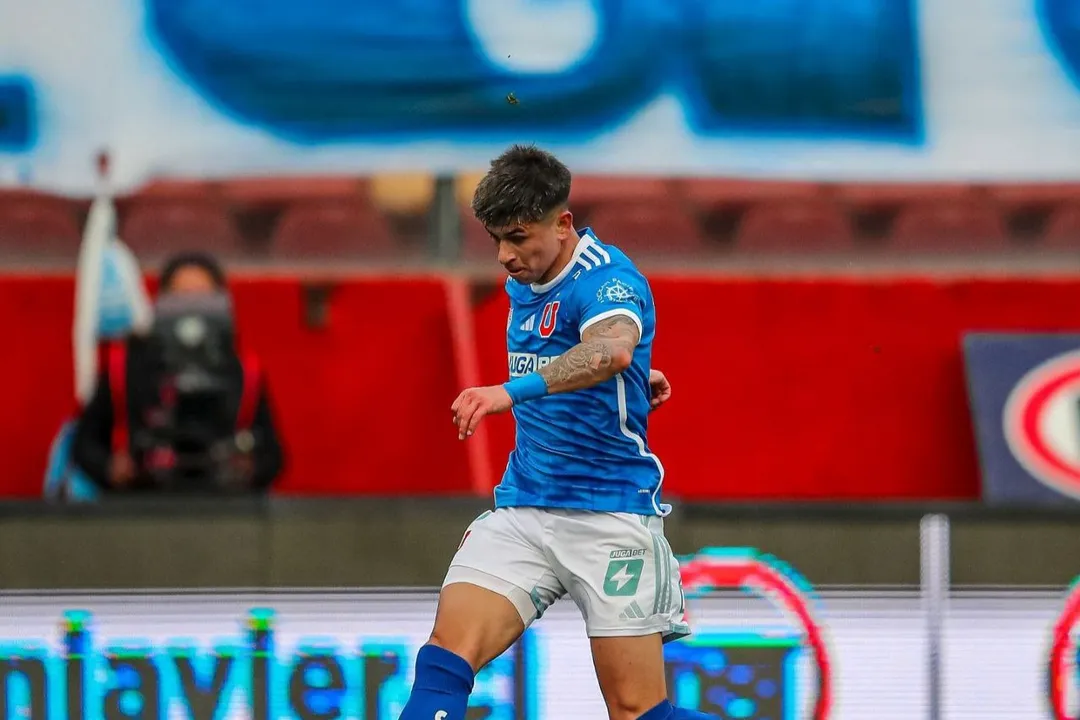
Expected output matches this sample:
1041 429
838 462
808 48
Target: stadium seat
876 194
175 188
711 194
657 227
948 225
721 203
1062 231
154 227
873 207
1016 196
1030 208
33 224
328 229
404 194
794 225
590 190
260 191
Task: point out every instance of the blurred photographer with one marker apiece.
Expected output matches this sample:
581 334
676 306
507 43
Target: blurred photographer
179 409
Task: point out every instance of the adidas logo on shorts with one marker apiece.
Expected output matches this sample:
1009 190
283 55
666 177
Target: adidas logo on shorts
632 612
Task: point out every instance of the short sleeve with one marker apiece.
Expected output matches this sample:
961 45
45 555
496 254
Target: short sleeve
608 292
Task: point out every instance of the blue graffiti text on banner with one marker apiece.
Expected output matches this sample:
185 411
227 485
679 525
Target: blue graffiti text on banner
317 678
16 114
824 67
1061 23
334 69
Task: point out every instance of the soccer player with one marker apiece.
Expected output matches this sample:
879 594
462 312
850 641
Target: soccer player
578 510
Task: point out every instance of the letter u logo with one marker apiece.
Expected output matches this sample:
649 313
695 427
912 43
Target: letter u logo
548 318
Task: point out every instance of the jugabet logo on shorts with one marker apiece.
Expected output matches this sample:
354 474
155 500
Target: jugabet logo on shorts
622 577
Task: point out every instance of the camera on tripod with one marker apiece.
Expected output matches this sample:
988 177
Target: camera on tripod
192 440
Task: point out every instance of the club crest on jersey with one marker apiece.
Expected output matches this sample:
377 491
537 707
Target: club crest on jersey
615 291
548 318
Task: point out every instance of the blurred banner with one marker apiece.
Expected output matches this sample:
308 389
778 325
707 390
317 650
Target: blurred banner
311 655
840 89
1025 399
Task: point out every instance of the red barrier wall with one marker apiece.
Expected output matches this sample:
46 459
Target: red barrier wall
36 372
363 404
837 389
783 388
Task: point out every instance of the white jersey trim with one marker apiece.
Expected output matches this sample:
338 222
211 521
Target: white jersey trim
627 312
662 509
587 254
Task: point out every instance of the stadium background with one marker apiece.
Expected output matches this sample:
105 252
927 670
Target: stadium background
827 196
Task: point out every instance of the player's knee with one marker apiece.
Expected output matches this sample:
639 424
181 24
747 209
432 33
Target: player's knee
661 711
468 648
454 643
634 708
666 711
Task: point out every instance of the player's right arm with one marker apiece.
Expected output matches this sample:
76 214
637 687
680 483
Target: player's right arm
660 387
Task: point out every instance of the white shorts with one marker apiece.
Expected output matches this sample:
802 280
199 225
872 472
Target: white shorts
617 567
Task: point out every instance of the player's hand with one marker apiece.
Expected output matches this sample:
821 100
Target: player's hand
473 404
661 389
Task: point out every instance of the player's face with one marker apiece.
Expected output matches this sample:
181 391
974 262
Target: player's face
531 252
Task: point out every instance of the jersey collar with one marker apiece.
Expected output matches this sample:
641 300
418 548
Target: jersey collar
585 237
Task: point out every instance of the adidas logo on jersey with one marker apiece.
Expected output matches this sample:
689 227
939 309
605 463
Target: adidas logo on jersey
548 317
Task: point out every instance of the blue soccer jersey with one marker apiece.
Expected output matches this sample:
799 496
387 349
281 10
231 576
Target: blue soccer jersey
586 449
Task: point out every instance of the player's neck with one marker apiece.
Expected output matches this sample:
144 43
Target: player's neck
565 257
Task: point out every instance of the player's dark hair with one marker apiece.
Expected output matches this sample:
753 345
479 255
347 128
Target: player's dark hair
523 185
201 260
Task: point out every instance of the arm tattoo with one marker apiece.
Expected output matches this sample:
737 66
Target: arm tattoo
592 361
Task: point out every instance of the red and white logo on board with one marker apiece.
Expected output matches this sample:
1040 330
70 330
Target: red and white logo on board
1042 423
548 318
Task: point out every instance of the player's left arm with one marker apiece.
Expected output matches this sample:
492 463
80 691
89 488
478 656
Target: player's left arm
610 322
606 349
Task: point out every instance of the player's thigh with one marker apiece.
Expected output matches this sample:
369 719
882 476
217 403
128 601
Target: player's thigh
498 583
622 574
620 571
630 670
475 623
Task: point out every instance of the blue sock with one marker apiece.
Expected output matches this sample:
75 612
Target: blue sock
441 688
660 712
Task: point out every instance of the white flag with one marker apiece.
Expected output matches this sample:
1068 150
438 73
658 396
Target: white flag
110 297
